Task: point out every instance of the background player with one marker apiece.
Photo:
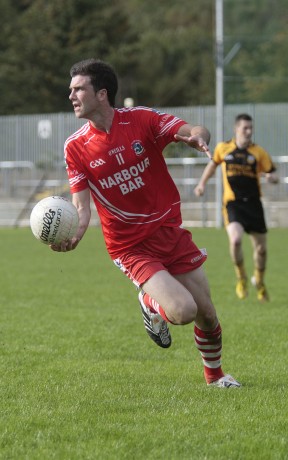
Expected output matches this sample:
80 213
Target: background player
242 164
117 158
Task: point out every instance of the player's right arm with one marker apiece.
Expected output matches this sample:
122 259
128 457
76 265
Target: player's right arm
207 173
81 201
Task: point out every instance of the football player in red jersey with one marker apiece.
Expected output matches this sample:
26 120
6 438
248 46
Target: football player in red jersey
116 158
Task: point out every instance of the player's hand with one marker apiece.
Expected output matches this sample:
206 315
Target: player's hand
65 246
199 190
196 142
272 178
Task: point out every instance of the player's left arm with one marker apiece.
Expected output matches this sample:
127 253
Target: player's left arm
269 168
197 137
272 177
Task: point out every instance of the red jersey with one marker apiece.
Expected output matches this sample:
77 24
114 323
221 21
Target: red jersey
127 175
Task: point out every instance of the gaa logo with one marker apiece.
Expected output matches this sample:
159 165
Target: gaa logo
96 163
138 147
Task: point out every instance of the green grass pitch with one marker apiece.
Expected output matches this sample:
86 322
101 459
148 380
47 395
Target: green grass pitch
80 378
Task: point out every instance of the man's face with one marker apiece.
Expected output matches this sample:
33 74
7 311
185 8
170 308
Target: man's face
243 132
83 97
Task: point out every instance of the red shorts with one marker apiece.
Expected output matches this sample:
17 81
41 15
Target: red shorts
169 248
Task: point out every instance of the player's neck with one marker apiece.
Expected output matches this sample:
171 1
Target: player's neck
242 144
103 121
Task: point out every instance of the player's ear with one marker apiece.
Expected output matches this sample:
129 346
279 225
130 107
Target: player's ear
102 94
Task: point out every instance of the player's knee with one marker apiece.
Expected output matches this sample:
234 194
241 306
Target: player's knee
185 312
261 249
236 241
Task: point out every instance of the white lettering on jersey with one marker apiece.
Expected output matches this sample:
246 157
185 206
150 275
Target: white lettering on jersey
120 159
119 149
96 163
87 142
131 185
127 179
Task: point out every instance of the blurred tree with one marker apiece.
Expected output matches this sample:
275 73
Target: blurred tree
154 47
44 41
162 51
175 63
258 73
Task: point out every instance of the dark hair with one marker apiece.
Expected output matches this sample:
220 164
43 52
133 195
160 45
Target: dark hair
101 74
243 116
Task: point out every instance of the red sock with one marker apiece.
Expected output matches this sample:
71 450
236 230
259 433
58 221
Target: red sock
209 343
155 307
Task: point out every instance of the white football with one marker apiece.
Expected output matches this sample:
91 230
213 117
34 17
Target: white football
53 220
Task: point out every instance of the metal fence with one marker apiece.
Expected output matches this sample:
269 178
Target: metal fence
202 212
23 184
32 166
40 138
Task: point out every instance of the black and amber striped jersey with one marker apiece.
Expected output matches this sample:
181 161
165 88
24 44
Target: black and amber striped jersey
241 169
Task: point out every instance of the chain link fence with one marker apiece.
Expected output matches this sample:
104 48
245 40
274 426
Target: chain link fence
32 164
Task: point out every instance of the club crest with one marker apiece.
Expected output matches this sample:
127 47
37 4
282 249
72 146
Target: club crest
137 147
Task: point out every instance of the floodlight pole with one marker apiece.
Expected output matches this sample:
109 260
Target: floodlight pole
219 103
